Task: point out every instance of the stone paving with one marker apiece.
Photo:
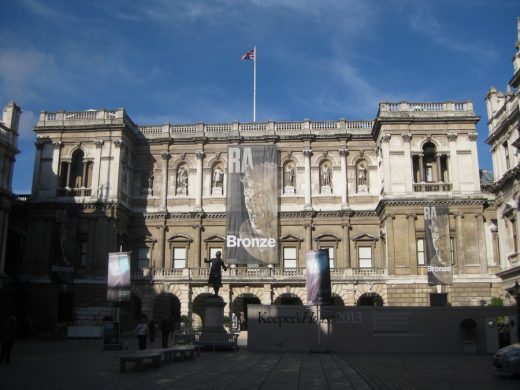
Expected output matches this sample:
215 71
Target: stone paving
81 364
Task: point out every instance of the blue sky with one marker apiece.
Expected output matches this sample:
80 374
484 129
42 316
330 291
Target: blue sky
178 61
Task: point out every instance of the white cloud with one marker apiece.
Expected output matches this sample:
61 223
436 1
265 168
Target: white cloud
423 21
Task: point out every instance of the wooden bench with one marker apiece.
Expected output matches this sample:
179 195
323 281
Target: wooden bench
139 358
217 340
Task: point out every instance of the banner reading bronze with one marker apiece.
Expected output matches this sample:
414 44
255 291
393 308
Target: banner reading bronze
252 205
438 254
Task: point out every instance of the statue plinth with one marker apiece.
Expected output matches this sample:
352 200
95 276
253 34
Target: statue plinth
288 190
216 190
214 315
326 190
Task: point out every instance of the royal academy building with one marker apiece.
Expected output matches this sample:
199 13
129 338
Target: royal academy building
364 190
503 111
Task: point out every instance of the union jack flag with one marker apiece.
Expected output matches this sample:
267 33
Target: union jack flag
248 55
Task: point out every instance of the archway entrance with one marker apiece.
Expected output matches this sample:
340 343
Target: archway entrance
370 299
168 306
288 299
239 307
199 307
337 300
130 313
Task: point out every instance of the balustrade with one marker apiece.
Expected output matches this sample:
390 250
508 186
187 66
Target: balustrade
259 273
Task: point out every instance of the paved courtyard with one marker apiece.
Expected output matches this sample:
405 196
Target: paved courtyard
81 364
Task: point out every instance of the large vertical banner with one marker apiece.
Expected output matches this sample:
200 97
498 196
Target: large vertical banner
118 277
438 254
252 205
318 277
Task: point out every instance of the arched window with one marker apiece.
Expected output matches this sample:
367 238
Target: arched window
75 176
430 166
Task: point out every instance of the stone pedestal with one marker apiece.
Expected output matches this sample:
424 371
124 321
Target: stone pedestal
288 190
214 316
326 190
216 191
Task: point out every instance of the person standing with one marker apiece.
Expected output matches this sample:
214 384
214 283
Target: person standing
165 331
151 330
8 336
142 333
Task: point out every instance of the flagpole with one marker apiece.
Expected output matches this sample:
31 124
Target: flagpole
254 85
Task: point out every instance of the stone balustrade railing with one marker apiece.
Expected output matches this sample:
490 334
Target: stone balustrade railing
429 108
248 274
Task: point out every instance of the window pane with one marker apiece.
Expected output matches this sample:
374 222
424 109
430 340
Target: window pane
213 252
365 257
143 260
179 257
289 257
420 251
289 253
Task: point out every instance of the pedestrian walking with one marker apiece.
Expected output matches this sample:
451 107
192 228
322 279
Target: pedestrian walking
142 333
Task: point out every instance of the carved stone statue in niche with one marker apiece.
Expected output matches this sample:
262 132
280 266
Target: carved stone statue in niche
182 180
362 177
325 175
289 179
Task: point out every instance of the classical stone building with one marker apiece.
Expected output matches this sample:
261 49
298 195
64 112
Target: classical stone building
357 188
504 138
8 151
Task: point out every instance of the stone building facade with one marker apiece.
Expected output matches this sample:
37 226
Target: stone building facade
504 139
8 150
357 188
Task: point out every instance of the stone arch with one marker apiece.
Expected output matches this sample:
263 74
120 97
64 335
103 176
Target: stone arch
199 307
130 312
370 299
337 300
288 299
239 305
166 305
299 292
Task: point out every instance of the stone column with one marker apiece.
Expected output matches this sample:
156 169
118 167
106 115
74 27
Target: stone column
308 236
460 243
390 243
438 164
308 192
472 137
454 168
412 244
408 177
165 158
56 158
344 178
482 249
96 191
115 165
196 263
199 184
385 150
162 246
346 240
421 168
36 173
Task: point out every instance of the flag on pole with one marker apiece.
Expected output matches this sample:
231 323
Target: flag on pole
248 55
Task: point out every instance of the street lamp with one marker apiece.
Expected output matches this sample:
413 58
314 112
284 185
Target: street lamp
516 291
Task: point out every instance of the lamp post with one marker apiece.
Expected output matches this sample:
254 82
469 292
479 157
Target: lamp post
516 291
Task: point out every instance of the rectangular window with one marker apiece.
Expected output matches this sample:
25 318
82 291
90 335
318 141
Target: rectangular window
143 260
331 256
213 252
289 257
179 257
421 259
365 256
83 253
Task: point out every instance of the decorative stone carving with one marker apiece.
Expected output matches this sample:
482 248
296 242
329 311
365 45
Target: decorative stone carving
385 137
326 178
289 178
452 136
407 137
217 180
472 136
182 180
